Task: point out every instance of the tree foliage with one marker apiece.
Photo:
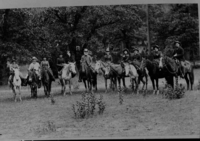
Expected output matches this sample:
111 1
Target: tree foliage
50 31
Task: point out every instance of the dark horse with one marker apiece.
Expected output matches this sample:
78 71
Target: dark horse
89 76
175 69
156 73
46 81
32 80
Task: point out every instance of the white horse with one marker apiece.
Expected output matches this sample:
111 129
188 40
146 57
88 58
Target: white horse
16 84
101 67
131 72
66 76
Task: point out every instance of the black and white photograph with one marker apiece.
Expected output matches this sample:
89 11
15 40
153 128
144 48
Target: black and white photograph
105 71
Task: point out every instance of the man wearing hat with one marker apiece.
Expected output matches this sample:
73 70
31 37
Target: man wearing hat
178 55
45 65
157 55
86 61
125 58
36 66
78 55
69 57
136 58
107 57
12 66
60 62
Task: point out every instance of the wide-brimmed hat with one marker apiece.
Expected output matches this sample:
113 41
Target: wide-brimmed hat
176 42
13 59
34 58
125 50
135 49
85 50
156 46
107 50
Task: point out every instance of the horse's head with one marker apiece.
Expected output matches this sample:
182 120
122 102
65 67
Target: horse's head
127 69
16 74
98 66
32 76
107 70
72 67
143 63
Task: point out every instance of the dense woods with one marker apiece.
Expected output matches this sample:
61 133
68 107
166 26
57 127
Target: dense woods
49 31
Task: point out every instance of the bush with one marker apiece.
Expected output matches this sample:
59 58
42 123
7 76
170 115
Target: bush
86 107
176 93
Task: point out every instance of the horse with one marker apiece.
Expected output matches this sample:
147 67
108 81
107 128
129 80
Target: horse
46 81
89 77
32 80
104 68
66 75
175 69
117 71
143 73
134 77
157 73
189 74
16 84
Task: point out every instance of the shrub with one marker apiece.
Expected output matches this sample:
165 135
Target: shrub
87 106
176 93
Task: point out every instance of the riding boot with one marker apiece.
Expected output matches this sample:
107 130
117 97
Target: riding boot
39 83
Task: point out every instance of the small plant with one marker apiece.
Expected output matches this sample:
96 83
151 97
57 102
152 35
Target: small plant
176 93
101 105
121 98
87 106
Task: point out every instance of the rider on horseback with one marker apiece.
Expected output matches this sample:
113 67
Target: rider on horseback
45 65
157 55
36 67
136 58
178 55
12 66
125 59
60 62
107 57
86 61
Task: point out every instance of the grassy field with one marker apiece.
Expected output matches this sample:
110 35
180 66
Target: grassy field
138 116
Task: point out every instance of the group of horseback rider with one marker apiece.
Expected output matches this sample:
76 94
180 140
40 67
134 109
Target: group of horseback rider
85 60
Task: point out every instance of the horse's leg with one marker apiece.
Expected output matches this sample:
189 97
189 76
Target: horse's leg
106 85
137 85
146 80
187 81
15 93
64 87
191 76
70 92
119 83
19 88
157 86
85 85
153 83
124 84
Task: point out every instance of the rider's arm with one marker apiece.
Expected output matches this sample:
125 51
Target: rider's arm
111 58
30 67
48 64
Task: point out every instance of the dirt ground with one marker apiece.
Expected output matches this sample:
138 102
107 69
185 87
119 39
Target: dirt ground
151 116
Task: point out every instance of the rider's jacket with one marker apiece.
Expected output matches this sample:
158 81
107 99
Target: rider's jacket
45 64
60 61
108 58
34 66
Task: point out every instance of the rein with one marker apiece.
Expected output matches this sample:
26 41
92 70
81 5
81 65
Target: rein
175 72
